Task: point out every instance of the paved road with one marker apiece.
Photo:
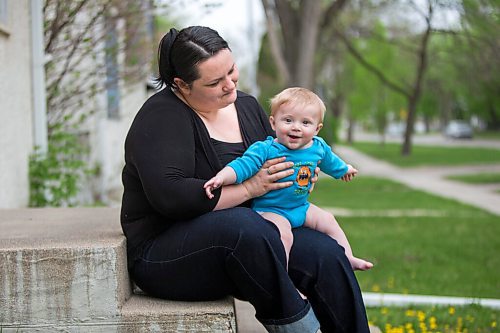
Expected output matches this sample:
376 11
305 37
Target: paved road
427 179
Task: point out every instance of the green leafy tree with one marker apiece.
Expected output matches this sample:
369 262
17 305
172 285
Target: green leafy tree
476 53
462 81
367 99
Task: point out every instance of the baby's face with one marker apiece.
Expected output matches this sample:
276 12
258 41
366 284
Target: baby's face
295 126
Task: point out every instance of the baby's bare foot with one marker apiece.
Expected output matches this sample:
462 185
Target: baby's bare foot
360 264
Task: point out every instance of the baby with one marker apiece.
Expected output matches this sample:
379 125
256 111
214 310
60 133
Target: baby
296 117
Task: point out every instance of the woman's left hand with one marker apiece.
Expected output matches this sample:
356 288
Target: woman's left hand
267 178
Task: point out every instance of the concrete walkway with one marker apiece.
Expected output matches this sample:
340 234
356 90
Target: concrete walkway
431 180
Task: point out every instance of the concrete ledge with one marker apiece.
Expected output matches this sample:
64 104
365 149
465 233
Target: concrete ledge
64 269
142 313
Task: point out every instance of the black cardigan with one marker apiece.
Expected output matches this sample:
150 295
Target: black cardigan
168 158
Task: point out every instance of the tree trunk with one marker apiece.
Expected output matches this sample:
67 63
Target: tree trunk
350 129
304 72
275 43
417 87
294 39
494 123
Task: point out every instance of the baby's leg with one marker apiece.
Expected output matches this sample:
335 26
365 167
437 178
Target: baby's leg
285 230
325 222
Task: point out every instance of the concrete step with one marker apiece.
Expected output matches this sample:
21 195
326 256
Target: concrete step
64 269
146 314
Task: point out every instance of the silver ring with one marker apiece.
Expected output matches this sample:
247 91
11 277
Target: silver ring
269 171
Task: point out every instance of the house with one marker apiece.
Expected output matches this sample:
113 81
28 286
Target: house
17 109
47 76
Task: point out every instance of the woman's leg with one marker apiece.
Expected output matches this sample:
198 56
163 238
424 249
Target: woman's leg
228 252
320 269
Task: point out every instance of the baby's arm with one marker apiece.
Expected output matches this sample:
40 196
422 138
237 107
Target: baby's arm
350 174
226 176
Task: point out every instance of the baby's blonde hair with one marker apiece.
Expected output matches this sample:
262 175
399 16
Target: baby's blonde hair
297 95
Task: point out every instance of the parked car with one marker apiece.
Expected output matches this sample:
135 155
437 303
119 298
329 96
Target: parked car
458 129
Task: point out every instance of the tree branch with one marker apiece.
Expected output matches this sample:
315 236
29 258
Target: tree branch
331 12
378 73
275 43
58 24
69 57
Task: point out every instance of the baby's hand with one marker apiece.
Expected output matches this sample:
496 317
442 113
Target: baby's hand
211 185
350 174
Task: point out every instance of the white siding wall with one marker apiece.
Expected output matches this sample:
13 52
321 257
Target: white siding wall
107 138
16 138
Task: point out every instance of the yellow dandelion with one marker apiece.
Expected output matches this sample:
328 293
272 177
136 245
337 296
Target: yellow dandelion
384 311
410 313
493 324
451 310
421 315
398 329
433 323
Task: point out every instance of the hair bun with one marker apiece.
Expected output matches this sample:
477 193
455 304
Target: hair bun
170 37
166 68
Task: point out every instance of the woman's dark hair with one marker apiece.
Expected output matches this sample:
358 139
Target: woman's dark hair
180 52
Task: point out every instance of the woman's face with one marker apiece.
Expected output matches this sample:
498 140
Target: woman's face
216 87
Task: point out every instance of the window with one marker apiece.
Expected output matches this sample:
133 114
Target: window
3 17
112 75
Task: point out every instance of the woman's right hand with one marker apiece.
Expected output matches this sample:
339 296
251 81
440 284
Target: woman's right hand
266 179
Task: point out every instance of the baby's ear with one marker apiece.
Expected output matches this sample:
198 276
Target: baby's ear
320 126
272 121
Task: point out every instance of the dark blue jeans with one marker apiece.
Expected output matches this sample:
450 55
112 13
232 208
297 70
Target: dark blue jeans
236 252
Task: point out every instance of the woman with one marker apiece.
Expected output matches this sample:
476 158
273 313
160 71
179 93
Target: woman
182 245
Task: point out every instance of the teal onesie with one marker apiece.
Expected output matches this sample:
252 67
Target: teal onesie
290 202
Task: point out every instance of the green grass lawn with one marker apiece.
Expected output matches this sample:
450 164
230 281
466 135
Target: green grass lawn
480 178
453 254
381 194
429 155
490 135
445 319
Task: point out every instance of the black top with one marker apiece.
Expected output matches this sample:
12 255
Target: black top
227 151
168 158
